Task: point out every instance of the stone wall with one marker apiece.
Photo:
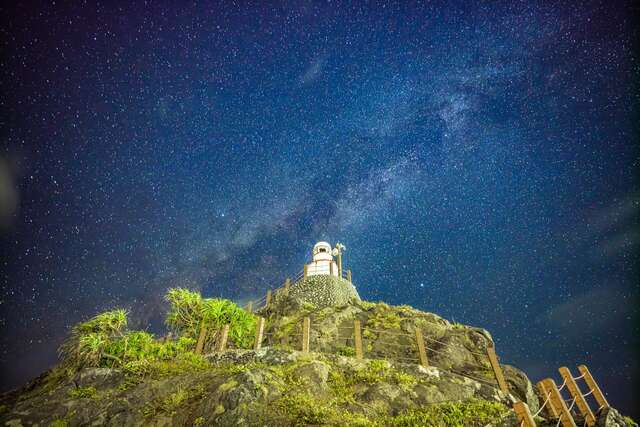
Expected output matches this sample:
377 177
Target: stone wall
324 291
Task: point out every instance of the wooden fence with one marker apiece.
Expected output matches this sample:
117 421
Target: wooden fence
554 403
418 347
556 406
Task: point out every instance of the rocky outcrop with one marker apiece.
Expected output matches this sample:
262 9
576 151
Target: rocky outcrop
278 385
389 332
609 417
265 387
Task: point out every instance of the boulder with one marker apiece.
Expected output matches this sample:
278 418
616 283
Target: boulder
521 387
610 417
98 377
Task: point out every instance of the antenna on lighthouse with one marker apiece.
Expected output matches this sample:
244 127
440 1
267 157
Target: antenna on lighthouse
337 252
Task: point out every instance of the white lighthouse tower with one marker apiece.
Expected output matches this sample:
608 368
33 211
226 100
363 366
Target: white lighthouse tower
323 263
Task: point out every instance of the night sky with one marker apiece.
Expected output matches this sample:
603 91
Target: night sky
477 161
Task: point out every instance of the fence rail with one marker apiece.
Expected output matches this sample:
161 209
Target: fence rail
416 352
267 298
555 404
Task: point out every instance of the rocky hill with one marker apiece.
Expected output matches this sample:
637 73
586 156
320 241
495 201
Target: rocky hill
120 377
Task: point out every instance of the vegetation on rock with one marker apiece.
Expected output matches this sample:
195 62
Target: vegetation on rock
189 313
104 342
110 375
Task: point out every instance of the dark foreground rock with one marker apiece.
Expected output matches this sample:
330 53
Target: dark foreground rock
265 387
281 386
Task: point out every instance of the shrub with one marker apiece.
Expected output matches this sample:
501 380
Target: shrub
103 341
189 312
88 340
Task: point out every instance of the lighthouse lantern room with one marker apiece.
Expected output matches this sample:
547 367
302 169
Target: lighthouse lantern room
323 263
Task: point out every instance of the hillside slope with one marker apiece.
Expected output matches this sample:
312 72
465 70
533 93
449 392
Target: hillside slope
279 385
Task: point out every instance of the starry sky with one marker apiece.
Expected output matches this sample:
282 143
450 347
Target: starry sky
476 159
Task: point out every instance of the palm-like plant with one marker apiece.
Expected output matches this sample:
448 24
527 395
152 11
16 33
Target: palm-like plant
190 313
88 340
185 312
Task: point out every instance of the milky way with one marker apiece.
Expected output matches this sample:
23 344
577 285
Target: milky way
477 162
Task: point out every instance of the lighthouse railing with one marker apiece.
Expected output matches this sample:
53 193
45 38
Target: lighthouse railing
270 291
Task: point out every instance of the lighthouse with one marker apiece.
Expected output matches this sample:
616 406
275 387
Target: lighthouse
322 283
322 263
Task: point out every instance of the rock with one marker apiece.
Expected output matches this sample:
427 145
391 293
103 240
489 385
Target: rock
521 387
382 392
280 385
609 417
315 374
98 377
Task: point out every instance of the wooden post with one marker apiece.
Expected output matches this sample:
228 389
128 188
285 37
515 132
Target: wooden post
339 262
357 333
268 299
222 340
524 415
558 402
349 276
597 393
250 307
331 268
287 284
306 329
421 350
304 271
497 370
582 405
544 392
201 337
259 333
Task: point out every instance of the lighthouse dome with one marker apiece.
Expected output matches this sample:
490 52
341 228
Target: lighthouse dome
322 252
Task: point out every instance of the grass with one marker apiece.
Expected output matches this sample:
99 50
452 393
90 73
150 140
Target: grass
302 408
383 317
345 350
172 402
450 414
83 393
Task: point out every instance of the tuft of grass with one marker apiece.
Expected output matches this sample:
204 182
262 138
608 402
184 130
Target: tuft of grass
345 350
173 401
404 380
382 317
376 371
83 393
366 305
182 363
450 414
302 409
